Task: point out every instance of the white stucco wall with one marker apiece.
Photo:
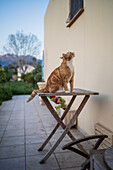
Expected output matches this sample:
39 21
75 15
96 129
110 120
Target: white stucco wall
91 38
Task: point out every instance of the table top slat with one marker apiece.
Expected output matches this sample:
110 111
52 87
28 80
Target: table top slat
76 92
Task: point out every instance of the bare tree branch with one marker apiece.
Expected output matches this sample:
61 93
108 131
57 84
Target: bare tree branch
22 44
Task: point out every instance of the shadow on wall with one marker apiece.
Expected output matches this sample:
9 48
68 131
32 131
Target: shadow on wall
101 105
102 100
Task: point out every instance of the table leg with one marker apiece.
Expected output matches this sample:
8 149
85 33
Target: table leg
58 119
56 127
66 130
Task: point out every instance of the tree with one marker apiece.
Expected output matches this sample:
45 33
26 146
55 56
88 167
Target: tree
35 76
34 61
5 75
21 44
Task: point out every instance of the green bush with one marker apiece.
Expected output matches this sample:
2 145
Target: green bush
7 89
23 77
5 94
0 102
5 76
20 88
33 77
2 76
38 78
26 76
16 88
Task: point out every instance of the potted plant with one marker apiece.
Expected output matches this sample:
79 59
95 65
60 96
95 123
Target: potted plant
59 104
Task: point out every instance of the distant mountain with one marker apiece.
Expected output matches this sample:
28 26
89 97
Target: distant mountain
7 59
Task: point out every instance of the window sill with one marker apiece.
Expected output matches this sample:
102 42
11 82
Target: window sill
75 17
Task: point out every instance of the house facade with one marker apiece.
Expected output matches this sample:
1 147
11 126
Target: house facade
90 36
29 69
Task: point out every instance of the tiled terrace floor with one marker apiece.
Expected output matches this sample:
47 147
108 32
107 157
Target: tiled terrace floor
23 128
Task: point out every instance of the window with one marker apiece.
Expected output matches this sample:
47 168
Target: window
76 9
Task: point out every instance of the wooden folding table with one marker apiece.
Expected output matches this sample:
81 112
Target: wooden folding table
77 92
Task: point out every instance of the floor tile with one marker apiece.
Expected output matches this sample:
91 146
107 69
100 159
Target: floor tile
15 125
12 141
49 123
2 127
75 168
30 111
35 131
7 109
11 151
3 121
76 133
4 113
32 149
14 133
33 125
35 139
49 129
13 117
27 121
18 107
12 164
31 117
1 133
69 159
59 147
17 111
15 121
57 135
27 126
32 162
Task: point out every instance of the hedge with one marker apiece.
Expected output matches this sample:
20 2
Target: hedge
5 94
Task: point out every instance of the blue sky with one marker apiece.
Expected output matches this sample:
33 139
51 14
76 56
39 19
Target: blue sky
26 15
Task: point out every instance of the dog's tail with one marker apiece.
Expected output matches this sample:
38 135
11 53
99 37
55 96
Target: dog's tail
33 94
